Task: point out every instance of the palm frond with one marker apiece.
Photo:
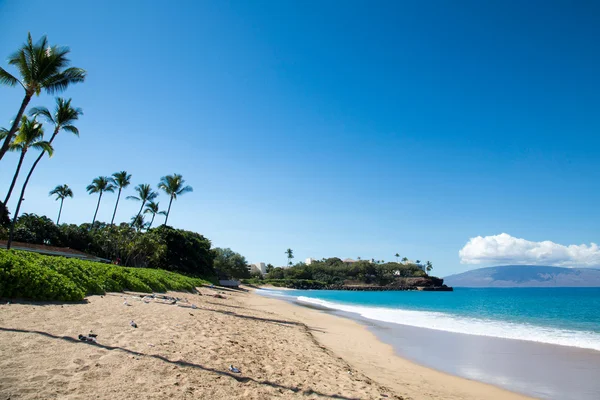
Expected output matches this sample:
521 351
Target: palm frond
43 112
133 198
61 192
122 179
72 129
43 146
59 82
7 79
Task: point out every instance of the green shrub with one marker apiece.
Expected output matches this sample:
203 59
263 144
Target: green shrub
34 276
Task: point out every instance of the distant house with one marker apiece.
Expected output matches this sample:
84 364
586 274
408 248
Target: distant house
309 261
349 261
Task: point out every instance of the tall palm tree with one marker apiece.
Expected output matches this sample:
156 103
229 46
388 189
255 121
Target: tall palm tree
30 136
145 194
173 186
41 66
100 185
61 192
63 118
152 208
40 144
290 255
121 180
428 266
397 256
404 259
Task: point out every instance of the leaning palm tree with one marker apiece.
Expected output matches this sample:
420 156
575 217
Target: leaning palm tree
145 195
41 67
152 208
121 180
61 192
172 185
30 136
100 185
45 147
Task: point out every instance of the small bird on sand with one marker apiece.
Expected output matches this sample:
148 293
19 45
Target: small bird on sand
234 369
132 323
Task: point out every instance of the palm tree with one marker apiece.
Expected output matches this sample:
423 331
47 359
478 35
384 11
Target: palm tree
38 133
40 67
152 208
30 136
100 185
121 180
138 222
404 259
418 262
145 194
63 119
397 256
428 267
173 186
61 192
290 256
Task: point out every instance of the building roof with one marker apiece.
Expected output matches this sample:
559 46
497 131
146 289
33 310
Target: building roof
53 251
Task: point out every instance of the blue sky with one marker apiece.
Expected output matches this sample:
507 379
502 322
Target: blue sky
362 130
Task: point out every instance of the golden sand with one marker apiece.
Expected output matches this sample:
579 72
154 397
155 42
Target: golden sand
283 351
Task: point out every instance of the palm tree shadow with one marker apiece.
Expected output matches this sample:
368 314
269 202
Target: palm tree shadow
182 363
270 320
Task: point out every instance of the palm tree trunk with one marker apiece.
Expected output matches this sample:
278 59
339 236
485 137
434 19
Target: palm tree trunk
12 184
15 125
12 225
97 207
60 210
168 210
116 205
151 221
139 212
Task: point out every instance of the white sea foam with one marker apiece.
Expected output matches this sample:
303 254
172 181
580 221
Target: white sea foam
465 325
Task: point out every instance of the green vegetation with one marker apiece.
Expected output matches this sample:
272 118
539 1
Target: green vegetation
229 263
333 271
162 247
287 283
38 277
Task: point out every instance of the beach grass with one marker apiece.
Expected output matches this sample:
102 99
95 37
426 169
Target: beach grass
37 277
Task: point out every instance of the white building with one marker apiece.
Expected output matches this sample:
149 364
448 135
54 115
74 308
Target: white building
309 261
258 267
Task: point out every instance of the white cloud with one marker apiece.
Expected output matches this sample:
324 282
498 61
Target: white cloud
505 249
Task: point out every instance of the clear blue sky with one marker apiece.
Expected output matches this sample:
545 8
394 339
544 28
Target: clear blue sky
335 128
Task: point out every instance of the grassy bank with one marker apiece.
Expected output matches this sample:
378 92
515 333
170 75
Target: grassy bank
37 277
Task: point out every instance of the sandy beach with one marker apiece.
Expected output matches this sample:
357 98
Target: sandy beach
282 350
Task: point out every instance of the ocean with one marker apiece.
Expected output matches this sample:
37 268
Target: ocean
544 342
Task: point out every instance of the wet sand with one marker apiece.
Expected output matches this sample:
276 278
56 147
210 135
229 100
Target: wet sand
536 369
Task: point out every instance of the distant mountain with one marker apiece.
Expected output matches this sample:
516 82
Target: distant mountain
526 276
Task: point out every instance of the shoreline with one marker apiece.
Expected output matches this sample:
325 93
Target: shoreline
362 349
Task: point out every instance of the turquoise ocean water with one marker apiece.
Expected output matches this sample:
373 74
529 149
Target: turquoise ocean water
560 316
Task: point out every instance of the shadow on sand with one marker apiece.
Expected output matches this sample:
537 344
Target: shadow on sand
182 363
